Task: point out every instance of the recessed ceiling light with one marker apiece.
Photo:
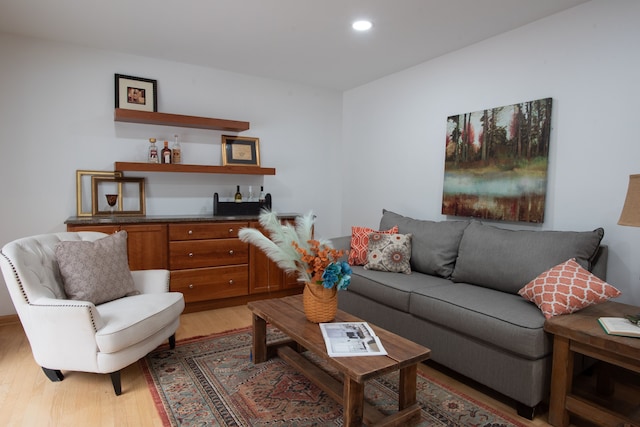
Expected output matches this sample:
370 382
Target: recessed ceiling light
361 25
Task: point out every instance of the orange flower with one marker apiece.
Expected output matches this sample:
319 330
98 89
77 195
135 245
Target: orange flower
317 261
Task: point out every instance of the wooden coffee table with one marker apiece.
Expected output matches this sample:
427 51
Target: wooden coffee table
581 333
287 315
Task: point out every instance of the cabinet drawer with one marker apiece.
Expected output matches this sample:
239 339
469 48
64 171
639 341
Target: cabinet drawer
202 284
195 231
207 253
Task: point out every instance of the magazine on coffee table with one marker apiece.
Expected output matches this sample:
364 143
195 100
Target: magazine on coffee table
345 339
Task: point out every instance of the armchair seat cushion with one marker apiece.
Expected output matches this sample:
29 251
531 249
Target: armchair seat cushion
128 321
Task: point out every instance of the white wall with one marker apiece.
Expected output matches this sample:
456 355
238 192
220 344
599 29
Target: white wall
56 116
587 59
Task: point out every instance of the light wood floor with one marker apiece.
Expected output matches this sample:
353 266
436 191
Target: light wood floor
28 398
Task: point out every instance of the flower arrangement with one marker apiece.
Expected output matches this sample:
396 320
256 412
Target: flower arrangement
293 248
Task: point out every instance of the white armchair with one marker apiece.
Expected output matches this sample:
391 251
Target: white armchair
75 335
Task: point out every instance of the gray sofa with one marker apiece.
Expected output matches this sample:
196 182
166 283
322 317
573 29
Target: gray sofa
461 300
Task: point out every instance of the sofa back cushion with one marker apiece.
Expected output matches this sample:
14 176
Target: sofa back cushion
507 260
434 245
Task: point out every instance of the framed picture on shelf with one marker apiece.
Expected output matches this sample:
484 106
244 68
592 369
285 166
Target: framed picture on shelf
240 150
117 196
136 93
84 200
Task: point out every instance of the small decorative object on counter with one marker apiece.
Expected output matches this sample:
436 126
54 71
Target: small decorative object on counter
153 151
238 197
176 151
262 196
166 153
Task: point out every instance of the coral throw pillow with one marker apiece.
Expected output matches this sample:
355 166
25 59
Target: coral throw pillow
567 288
360 242
389 252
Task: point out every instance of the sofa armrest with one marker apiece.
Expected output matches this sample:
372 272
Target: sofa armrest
342 242
151 281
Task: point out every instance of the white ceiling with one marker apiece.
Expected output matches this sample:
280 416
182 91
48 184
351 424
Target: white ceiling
305 41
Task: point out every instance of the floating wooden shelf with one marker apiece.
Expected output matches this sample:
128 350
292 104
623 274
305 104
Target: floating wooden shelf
166 119
159 167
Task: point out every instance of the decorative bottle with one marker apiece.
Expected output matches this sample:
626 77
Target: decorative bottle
166 153
153 151
238 197
176 151
262 197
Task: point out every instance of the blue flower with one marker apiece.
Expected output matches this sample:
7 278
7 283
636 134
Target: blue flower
337 274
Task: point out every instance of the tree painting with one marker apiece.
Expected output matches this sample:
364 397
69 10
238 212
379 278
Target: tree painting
496 162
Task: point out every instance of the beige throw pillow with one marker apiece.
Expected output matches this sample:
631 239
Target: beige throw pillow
96 271
389 252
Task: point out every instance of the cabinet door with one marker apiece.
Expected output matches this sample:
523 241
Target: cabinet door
146 244
265 275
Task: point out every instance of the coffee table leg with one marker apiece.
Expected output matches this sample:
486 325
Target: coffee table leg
259 339
408 383
353 401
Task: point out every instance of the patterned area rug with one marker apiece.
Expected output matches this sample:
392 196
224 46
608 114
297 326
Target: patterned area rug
211 381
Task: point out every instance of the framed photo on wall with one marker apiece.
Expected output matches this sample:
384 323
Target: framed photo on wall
136 93
240 150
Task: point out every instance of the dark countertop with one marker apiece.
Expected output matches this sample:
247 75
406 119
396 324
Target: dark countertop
149 219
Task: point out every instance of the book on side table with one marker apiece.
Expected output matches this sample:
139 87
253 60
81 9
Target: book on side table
619 326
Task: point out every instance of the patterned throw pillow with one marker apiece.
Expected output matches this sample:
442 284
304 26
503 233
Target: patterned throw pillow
360 243
96 271
566 288
389 252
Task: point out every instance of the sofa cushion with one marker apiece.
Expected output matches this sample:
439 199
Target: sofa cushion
389 252
391 289
567 288
506 260
359 245
96 271
496 318
434 245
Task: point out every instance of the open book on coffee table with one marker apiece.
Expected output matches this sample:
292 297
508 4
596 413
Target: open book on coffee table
345 339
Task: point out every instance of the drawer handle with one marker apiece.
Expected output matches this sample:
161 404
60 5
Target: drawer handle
191 254
231 252
230 230
191 286
190 232
231 282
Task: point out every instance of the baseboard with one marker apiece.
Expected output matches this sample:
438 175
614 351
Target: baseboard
11 319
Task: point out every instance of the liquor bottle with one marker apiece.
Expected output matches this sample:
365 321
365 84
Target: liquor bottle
166 153
262 196
153 151
176 151
238 197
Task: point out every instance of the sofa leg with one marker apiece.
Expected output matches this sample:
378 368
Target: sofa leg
525 411
172 341
115 380
53 374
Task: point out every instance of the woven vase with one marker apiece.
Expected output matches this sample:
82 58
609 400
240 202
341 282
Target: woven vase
320 304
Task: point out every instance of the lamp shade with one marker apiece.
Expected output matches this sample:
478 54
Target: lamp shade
631 211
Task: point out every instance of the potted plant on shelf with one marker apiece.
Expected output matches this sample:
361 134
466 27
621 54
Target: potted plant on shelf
315 261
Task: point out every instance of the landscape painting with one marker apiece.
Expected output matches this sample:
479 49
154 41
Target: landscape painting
496 162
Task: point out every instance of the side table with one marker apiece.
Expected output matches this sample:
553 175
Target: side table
581 333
